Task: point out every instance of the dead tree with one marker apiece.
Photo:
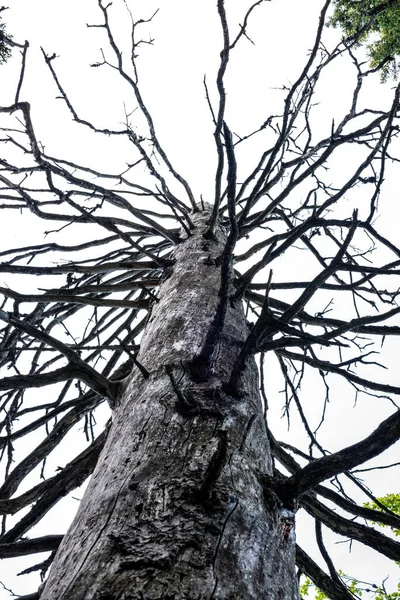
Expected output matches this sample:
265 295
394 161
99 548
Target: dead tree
162 311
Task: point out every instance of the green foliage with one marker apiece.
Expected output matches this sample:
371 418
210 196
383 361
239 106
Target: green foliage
305 588
392 502
319 594
381 595
353 586
5 50
376 23
353 589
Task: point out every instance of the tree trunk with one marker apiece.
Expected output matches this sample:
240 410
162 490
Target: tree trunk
175 508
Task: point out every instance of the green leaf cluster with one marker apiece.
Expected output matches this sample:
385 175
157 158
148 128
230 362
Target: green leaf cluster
319 594
305 588
376 23
381 595
353 587
392 502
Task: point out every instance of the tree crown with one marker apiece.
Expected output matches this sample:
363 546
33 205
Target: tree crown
375 23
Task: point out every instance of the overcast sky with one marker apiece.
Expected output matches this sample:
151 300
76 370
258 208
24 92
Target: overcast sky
187 42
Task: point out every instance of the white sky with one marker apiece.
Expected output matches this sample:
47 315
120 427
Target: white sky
187 44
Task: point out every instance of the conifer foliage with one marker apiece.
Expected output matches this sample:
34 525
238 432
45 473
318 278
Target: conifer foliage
5 50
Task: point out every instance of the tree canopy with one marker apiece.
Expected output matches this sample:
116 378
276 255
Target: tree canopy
375 23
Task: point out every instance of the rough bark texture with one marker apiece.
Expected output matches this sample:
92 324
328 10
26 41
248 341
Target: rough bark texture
175 508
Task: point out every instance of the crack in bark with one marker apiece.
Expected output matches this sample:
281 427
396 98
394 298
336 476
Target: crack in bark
229 515
214 469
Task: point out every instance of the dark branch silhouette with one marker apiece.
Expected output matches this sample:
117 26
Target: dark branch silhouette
78 340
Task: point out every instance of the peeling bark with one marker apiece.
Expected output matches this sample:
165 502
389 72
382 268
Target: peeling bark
175 508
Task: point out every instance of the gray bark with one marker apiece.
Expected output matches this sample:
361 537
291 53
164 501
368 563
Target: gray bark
175 508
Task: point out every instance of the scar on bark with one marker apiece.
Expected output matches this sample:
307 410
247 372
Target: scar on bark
206 402
213 471
275 495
